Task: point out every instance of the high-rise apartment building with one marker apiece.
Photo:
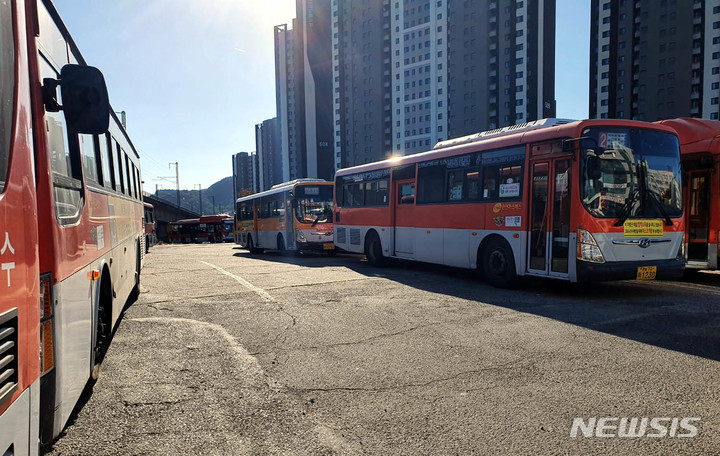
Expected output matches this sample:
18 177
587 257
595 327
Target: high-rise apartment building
269 154
501 63
375 78
243 172
654 59
362 77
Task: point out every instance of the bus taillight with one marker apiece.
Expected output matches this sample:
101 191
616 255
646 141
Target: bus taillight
47 354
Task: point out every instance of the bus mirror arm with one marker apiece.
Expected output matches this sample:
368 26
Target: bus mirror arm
49 93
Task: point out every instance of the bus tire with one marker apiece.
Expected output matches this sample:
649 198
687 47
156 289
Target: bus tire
373 249
282 248
147 244
136 289
251 246
102 330
498 264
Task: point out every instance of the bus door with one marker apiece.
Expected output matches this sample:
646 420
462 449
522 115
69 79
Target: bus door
549 249
699 215
289 236
404 208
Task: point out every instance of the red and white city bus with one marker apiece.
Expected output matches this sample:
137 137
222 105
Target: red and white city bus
208 228
571 200
71 231
293 216
150 226
700 154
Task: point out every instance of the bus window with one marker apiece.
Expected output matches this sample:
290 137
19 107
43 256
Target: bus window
406 195
431 181
65 165
128 185
354 194
107 165
502 181
7 87
118 169
90 160
134 180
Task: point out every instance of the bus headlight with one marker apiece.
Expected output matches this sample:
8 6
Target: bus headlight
587 248
300 236
681 251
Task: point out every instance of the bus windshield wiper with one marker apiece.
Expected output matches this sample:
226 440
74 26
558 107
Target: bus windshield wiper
656 199
627 207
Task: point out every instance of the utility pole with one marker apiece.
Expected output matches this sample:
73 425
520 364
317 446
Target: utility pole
177 181
199 187
213 200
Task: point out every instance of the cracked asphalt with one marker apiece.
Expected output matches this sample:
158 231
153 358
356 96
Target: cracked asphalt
230 353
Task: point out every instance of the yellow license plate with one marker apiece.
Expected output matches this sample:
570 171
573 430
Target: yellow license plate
643 228
646 272
328 246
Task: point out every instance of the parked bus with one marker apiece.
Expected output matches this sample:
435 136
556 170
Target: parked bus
700 154
71 231
571 200
150 226
294 216
229 230
208 228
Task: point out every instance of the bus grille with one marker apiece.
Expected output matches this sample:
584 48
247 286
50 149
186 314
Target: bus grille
341 236
8 354
354 236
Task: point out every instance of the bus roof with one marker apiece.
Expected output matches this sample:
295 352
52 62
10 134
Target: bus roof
285 186
538 131
696 135
214 218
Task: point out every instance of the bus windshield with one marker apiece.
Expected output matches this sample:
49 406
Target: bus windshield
631 173
314 204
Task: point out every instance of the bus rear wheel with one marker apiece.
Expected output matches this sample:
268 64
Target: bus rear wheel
498 264
373 250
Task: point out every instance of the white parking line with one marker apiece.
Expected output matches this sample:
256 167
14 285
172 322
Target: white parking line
264 294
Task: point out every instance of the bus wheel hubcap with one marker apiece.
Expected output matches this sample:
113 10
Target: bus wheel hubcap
498 263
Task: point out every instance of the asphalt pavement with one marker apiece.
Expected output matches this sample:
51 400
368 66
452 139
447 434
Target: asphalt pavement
230 353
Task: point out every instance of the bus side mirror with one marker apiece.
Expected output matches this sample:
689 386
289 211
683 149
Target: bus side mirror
594 171
294 203
84 97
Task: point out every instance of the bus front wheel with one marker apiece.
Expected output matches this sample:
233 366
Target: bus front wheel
498 264
373 250
250 246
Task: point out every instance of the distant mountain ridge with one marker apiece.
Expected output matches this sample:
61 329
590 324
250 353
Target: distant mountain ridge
222 190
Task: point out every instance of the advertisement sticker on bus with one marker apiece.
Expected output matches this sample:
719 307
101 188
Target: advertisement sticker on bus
643 228
509 190
513 221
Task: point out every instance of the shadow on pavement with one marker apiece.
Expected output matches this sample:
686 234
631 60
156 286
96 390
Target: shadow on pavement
683 316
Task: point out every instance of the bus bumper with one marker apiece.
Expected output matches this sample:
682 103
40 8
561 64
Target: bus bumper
627 270
317 247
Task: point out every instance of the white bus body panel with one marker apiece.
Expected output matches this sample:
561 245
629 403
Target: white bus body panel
75 312
19 424
451 247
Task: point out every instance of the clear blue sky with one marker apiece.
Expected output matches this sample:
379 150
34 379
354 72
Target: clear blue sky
195 76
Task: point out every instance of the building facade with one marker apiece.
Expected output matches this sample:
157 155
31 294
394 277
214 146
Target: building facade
362 78
269 154
501 64
243 173
374 78
654 60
